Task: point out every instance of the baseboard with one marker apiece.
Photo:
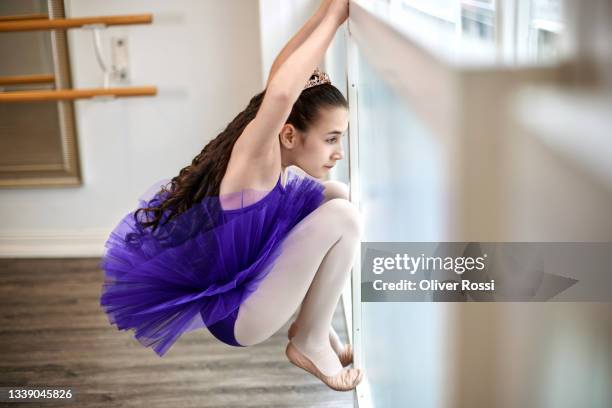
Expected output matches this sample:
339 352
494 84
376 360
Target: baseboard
53 244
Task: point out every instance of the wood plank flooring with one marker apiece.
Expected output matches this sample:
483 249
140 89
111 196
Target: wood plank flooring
54 333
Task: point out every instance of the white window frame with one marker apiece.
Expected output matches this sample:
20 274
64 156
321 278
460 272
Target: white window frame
448 93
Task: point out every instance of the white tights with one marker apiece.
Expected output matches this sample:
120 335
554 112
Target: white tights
311 271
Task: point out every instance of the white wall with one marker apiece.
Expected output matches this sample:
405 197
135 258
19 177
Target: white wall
279 21
205 58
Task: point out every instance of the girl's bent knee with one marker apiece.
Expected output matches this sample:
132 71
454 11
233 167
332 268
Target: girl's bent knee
335 189
345 215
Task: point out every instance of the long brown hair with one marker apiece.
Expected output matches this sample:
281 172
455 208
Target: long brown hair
203 176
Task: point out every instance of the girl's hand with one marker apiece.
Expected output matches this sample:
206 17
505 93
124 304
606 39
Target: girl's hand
339 9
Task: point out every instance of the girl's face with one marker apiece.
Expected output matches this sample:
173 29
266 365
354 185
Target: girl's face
317 150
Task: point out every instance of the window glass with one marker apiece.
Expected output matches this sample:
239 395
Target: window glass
478 20
400 166
335 66
400 175
545 27
528 30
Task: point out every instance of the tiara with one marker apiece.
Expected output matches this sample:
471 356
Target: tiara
320 78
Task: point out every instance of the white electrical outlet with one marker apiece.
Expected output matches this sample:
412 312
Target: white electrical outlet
120 63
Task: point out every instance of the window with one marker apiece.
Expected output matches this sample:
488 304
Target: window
400 166
435 163
401 178
544 26
515 30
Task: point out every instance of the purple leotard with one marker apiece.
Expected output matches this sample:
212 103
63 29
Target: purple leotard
196 270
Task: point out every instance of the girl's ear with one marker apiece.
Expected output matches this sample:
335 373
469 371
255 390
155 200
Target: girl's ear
288 136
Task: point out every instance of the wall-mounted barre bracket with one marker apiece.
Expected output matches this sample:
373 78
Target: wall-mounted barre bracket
68 23
97 40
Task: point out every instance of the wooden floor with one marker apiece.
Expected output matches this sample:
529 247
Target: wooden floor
54 333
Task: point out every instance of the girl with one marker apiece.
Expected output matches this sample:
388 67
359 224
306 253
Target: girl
247 234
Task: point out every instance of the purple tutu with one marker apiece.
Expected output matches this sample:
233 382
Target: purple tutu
198 268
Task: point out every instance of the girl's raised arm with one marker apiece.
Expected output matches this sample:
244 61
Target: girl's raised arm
261 134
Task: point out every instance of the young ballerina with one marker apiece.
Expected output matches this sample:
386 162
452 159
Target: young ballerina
219 248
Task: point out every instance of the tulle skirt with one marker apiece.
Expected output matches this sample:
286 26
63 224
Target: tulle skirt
197 268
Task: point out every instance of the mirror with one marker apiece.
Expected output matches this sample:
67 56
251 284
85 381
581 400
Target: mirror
38 146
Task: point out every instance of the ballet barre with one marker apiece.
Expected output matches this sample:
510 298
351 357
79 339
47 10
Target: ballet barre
27 79
72 94
34 24
24 17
